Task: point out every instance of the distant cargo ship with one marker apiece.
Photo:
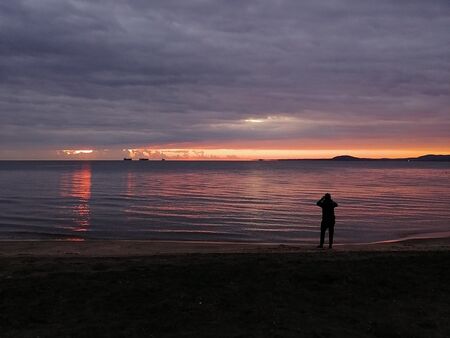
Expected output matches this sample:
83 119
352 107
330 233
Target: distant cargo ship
127 159
143 159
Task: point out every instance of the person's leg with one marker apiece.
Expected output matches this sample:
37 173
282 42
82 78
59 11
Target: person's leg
322 235
331 234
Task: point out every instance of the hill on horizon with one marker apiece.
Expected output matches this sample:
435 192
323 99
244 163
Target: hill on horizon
429 157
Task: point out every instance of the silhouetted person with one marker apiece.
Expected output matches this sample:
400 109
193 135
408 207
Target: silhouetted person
328 219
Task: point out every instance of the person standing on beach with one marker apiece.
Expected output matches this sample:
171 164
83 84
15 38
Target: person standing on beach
328 219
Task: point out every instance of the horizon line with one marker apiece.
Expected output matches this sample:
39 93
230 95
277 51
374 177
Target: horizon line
343 158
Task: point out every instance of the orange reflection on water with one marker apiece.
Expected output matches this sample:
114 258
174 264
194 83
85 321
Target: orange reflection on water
196 195
130 184
77 184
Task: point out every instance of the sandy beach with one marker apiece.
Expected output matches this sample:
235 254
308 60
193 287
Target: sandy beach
172 289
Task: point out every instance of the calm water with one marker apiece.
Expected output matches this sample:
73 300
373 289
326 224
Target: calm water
222 201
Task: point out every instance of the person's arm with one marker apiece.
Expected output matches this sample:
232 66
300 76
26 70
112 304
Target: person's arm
320 202
335 204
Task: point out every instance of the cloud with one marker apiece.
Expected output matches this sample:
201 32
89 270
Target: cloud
123 74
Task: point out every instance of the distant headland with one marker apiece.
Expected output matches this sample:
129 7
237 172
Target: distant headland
348 158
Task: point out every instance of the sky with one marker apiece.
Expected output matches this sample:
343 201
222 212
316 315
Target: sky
223 79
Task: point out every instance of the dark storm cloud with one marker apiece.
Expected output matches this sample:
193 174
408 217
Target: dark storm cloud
130 73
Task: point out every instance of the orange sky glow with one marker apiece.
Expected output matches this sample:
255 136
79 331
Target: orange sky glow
240 154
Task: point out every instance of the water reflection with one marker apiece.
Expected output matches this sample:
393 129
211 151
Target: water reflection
274 202
131 179
221 204
130 195
77 185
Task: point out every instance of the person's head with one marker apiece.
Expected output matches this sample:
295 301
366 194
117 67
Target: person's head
327 196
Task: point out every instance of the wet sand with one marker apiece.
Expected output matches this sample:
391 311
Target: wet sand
129 248
169 289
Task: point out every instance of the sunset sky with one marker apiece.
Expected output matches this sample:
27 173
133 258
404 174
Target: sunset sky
223 79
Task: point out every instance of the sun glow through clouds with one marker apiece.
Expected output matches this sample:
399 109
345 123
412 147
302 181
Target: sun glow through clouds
77 151
254 120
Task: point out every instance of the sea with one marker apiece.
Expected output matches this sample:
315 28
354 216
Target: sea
222 201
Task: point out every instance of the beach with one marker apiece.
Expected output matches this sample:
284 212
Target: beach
192 289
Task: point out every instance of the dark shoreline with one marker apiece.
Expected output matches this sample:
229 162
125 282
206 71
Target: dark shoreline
383 291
